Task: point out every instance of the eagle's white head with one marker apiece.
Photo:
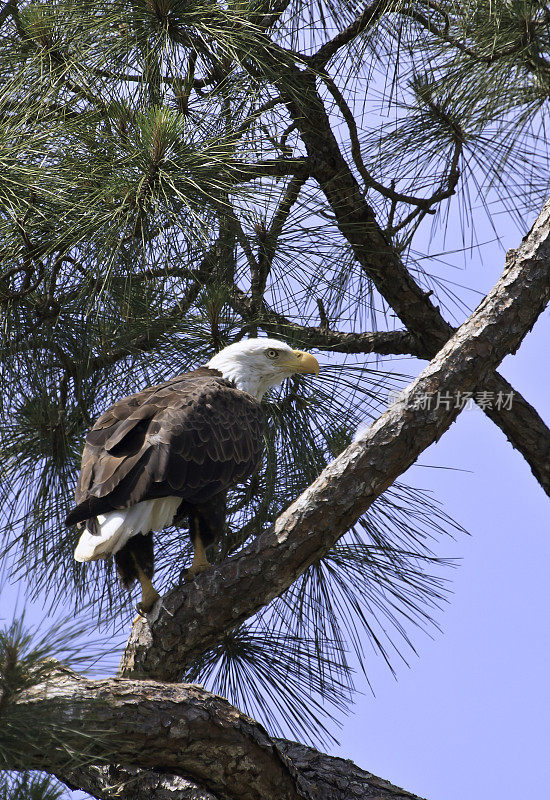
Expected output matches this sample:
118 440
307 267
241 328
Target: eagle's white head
256 364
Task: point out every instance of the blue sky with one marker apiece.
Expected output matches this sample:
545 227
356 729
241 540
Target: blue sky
470 716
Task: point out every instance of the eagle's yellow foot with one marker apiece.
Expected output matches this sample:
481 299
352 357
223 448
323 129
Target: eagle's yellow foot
200 562
149 595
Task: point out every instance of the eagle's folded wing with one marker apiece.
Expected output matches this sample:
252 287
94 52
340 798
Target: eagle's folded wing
191 437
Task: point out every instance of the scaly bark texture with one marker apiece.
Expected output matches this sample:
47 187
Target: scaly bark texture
523 426
114 782
329 778
339 779
182 730
194 616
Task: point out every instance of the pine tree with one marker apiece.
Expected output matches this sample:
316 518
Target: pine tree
179 174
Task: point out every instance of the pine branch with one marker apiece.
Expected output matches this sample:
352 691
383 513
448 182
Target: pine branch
115 782
194 617
523 426
369 15
333 779
379 259
355 218
183 730
445 190
147 341
381 342
443 35
271 13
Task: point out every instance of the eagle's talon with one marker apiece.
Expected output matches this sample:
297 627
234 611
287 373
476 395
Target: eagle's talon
140 615
147 603
149 611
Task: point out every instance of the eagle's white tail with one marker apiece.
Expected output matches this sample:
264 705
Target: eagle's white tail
116 527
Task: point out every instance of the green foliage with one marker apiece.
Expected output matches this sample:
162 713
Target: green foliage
29 786
278 676
28 658
155 205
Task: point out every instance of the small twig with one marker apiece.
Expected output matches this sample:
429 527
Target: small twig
283 140
322 315
370 182
369 15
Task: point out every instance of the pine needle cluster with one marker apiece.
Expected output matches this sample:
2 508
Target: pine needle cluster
156 204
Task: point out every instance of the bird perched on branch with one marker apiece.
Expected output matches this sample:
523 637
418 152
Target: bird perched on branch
171 452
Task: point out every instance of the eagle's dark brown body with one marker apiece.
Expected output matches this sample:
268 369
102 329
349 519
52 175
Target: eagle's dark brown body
193 437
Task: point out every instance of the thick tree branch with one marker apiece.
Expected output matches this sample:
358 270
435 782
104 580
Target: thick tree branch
194 616
523 426
381 342
183 730
339 779
115 782
330 778
381 262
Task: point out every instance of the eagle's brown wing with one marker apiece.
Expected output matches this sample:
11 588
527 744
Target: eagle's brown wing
193 437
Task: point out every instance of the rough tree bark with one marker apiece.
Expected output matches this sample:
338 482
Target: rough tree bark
330 778
184 730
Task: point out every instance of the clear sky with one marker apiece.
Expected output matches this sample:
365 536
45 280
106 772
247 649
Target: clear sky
470 716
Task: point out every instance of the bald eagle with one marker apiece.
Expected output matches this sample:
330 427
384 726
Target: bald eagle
170 453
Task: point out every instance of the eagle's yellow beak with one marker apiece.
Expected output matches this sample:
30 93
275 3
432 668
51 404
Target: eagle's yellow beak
305 362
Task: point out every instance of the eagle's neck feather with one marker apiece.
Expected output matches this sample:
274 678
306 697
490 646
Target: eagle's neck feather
243 379
247 371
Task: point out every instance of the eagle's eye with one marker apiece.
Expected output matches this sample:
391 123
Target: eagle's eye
272 354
